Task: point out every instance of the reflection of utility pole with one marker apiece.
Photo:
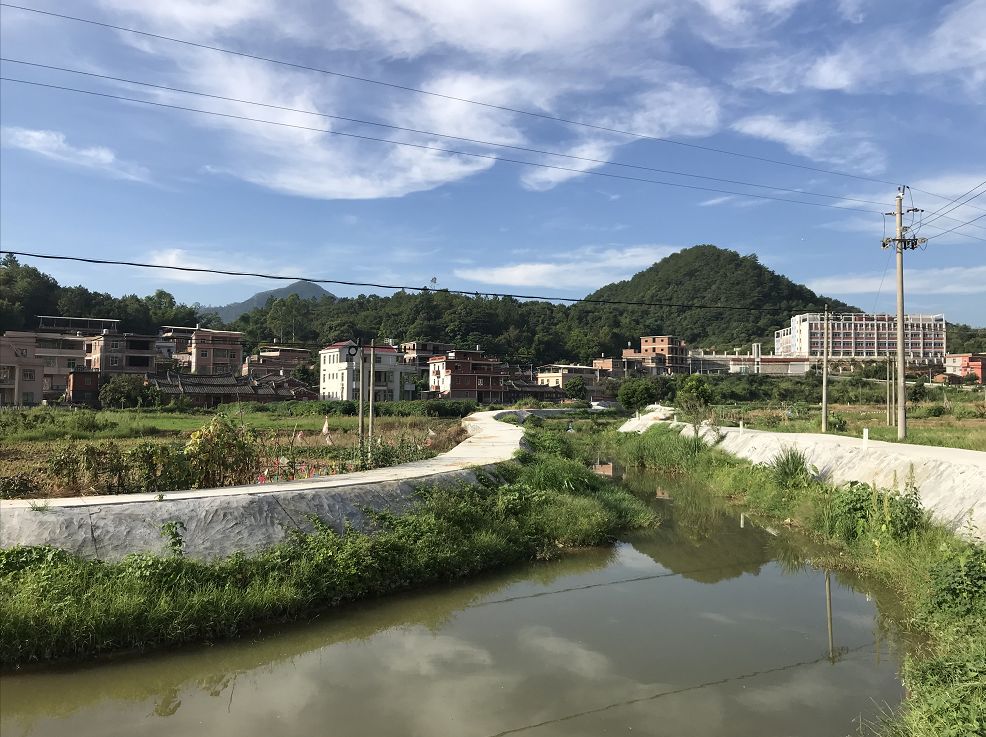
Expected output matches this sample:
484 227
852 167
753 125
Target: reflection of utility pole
828 614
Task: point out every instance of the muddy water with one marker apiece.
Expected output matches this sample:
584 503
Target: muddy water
709 625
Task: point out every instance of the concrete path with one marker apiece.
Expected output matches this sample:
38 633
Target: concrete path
219 522
951 481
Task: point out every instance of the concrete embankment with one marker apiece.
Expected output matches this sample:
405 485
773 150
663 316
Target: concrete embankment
219 522
951 481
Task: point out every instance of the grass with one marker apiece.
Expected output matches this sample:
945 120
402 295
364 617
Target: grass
964 428
55 605
938 577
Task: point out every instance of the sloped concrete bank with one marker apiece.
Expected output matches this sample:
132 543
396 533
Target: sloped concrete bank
951 481
220 522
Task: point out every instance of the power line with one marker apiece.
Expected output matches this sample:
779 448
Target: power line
468 293
416 90
939 235
464 139
955 204
437 149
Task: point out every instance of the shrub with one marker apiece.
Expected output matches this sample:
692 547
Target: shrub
857 509
959 581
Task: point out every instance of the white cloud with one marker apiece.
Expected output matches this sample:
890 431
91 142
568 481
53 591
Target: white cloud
815 139
852 10
949 280
497 27
589 267
216 259
717 201
53 145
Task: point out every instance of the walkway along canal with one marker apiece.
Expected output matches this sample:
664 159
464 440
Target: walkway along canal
707 625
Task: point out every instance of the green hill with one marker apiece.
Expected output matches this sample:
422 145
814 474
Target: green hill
304 289
707 275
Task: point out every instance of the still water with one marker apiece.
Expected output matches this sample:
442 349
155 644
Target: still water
709 625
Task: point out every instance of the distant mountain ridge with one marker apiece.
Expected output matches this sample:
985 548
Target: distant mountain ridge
304 289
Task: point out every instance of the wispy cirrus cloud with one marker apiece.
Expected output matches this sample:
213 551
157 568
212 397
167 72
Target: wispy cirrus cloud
949 280
815 139
589 267
54 145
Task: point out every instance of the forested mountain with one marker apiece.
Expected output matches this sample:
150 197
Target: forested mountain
708 275
539 332
304 290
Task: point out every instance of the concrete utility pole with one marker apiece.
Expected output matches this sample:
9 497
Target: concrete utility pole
901 244
888 391
359 388
373 381
825 372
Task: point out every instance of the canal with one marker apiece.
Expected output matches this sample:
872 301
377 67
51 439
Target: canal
707 625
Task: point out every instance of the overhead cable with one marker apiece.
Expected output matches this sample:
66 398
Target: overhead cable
431 93
437 149
380 124
398 287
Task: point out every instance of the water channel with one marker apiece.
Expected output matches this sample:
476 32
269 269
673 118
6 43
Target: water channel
708 625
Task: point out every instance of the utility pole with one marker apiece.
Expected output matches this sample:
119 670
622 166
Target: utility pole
359 388
888 390
901 244
373 381
825 372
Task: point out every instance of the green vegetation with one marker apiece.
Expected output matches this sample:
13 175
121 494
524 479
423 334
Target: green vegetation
940 579
521 330
128 391
55 605
47 452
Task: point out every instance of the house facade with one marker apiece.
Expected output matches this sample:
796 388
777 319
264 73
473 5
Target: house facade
860 336
964 364
121 353
275 361
338 373
21 370
463 374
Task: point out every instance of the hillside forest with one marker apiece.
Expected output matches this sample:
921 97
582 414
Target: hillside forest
747 303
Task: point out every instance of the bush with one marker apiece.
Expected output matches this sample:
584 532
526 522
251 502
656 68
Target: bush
858 509
959 581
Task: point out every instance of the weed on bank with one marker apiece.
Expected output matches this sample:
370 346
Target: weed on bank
54 605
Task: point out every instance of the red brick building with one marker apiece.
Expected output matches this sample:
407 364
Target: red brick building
468 375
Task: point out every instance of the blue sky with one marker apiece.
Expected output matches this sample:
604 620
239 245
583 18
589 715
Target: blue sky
848 85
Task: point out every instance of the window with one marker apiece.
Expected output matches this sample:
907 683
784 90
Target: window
203 354
27 398
114 345
27 374
114 360
219 352
70 363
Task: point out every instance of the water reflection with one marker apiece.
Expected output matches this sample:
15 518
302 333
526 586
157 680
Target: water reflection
705 625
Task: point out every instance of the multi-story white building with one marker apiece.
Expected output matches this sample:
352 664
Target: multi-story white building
338 373
860 336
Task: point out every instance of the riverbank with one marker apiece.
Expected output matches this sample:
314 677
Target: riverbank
60 605
951 481
939 577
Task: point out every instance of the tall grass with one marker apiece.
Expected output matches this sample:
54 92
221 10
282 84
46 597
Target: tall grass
940 578
55 605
